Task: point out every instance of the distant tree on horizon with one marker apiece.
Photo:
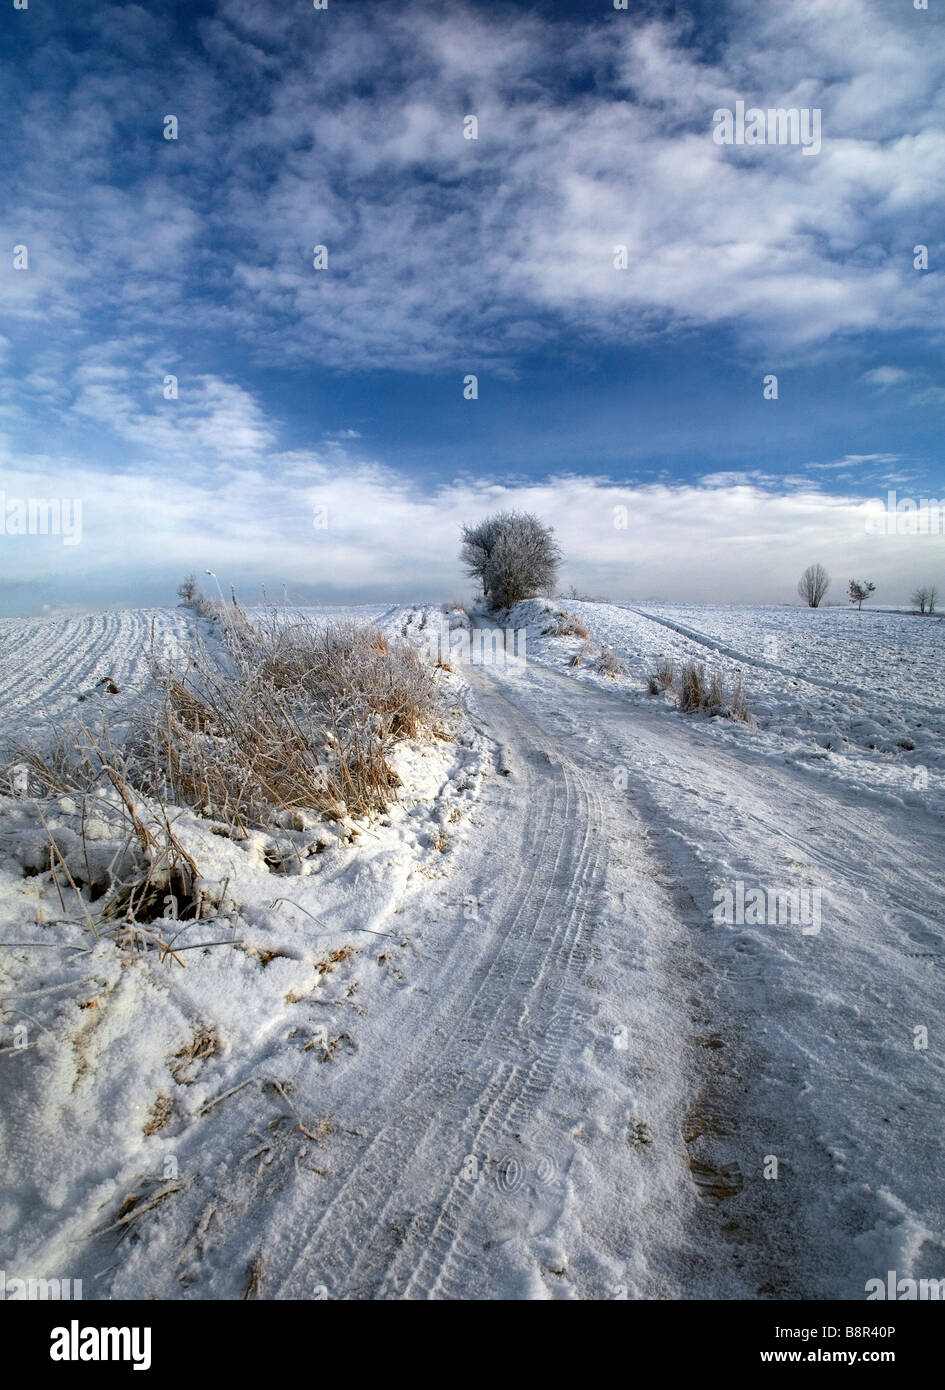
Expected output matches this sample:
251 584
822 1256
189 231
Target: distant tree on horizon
813 585
189 590
860 591
925 598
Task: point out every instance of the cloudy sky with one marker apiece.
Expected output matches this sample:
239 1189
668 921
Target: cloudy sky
320 436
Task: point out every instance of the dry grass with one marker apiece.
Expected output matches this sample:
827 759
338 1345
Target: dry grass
204 1045
131 870
565 625
326 964
609 665
695 690
255 1279
662 677
292 717
738 705
158 1115
274 721
584 653
715 691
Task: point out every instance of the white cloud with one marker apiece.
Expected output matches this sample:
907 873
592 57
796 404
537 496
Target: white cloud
253 522
444 250
884 377
929 395
857 463
122 388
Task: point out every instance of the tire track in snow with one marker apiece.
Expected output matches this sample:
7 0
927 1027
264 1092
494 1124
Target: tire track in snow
786 1074
548 1017
802 677
485 1020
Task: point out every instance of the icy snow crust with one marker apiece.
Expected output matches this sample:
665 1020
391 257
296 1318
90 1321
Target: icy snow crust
493 1044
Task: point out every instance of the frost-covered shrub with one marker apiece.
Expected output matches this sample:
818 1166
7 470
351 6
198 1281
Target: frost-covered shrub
564 625
513 556
662 677
288 716
608 664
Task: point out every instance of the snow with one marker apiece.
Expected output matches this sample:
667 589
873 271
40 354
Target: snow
854 696
47 665
494 1044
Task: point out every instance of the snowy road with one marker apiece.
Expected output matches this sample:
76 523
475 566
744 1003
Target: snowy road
566 1079
579 1090
504 1148
808 1040
510 1125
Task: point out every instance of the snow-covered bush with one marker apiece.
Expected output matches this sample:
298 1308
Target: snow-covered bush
609 665
513 555
565 624
662 677
288 716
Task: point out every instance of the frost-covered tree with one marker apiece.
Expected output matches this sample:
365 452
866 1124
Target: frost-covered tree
813 585
925 598
513 555
860 591
189 590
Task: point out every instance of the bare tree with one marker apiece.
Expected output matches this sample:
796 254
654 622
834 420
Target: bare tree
859 591
925 598
513 556
189 590
813 585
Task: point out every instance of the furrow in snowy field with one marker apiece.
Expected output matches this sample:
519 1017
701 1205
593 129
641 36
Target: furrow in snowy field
51 667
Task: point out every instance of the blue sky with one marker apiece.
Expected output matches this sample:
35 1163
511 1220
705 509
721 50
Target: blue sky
342 388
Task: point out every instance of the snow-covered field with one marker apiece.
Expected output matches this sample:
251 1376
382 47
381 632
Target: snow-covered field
500 1042
47 664
860 695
